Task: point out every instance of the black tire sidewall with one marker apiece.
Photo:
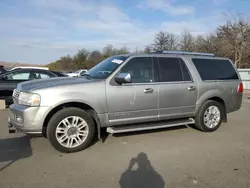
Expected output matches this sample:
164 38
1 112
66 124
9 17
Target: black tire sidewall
59 116
200 119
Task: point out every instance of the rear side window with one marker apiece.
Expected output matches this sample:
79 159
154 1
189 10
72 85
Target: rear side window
215 69
173 70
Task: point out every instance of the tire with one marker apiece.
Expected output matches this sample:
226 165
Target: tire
200 121
73 123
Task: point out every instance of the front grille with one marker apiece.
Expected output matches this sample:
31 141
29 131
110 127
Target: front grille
15 96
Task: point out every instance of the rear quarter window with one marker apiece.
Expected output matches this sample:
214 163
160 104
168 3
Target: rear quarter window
215 69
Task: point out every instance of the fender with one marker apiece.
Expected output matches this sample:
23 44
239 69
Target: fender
209 94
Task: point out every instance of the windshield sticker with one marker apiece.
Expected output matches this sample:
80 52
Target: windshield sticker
118 61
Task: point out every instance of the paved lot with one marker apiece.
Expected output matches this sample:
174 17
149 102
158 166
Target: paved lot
180 157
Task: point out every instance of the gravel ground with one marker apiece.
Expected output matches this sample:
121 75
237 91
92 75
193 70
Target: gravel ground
177 157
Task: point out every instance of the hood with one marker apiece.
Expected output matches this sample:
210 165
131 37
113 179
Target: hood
52 82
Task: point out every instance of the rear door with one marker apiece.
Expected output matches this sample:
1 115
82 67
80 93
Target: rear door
9 81
177 90
220 75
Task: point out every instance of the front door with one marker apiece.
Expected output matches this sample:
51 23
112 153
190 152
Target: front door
177 90
137 101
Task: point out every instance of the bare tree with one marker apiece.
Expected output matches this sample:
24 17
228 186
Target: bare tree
148 49
235 35
81 57
173 45
186 41
108 51
67 63
207 43
122 50
164 41
95 56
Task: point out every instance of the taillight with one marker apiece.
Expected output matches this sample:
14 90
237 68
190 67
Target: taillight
240 88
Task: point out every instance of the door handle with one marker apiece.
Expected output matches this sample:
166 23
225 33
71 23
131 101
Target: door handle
192 88
148 90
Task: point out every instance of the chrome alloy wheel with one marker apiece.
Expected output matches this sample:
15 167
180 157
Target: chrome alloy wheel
212 116
72 131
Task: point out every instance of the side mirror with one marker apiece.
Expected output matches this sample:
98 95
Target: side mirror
123 78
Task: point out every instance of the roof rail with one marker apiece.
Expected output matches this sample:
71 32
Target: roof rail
185 53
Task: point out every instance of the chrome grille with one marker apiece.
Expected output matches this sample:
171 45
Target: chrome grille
15 96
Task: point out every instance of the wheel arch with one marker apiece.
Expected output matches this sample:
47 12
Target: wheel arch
89 109
219 100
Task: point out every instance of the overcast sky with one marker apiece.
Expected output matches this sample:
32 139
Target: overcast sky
40 31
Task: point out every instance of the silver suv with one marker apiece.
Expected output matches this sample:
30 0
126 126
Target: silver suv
128 93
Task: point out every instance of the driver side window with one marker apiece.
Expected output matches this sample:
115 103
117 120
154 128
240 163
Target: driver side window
140 68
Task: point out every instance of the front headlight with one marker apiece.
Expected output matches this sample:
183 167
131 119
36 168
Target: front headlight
29 99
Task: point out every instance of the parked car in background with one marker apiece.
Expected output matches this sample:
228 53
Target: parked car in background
126 93
59 74
20 67
10 79
2 70
77 73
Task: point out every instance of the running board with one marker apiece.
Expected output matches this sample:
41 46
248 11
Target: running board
149 126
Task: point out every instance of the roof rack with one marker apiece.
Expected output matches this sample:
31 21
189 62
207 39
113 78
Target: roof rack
185 53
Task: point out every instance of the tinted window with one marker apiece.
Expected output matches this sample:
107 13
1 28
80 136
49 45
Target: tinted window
140 68
173 70
17 75
215 69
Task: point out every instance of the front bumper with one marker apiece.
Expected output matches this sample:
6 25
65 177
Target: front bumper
26 119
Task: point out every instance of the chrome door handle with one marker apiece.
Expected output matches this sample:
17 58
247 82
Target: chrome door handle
148 90
191 88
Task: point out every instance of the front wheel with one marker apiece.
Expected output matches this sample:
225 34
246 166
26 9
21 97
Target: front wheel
209 116
71 130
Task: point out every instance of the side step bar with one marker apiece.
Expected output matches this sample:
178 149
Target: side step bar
149 126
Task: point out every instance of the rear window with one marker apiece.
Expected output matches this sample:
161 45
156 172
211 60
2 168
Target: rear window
215 69
173 70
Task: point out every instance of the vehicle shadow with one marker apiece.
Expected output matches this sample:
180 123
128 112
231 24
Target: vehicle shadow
13 149
143 176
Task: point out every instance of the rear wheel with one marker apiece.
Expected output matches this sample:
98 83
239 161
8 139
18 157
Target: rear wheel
71 130
209 117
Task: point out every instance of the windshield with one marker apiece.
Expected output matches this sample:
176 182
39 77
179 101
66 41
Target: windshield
106 67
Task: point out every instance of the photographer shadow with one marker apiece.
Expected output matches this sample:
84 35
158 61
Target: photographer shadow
143 177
